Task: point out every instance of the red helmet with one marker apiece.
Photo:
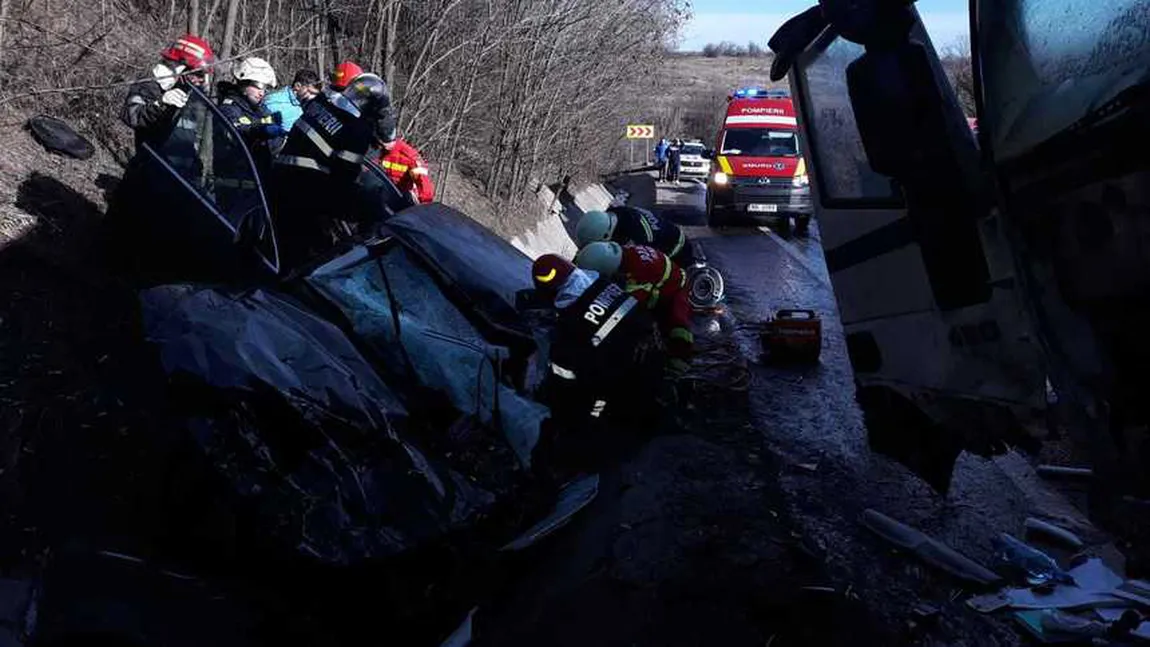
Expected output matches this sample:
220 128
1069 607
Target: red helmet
345 73
191 51
550 272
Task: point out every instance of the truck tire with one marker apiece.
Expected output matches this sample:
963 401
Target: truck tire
784 226
802 225
713 219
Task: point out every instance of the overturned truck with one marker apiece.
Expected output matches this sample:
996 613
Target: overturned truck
989 287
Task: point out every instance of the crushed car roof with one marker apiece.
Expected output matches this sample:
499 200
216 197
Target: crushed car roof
487 270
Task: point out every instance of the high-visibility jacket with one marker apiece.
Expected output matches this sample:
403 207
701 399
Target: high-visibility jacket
660 284
637 226
406 168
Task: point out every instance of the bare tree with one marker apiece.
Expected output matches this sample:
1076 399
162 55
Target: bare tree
956 63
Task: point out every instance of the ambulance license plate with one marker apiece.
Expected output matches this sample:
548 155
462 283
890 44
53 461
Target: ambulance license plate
769 208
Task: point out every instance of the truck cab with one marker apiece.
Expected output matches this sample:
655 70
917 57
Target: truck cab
991 271
759 174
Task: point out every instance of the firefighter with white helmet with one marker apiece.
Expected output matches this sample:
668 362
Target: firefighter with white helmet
241 103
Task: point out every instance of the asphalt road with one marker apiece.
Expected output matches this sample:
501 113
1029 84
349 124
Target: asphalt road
714 535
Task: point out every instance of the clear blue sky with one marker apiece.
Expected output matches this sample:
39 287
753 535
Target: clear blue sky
743 21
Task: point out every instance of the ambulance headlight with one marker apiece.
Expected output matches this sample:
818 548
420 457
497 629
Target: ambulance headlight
801 180
720 178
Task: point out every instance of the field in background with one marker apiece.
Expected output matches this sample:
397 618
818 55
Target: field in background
693 89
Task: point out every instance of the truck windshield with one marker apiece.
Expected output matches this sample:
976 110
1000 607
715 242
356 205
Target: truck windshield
760 142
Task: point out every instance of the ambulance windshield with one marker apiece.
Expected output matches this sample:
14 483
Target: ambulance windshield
760 142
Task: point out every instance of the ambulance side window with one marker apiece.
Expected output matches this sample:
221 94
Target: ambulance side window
843 174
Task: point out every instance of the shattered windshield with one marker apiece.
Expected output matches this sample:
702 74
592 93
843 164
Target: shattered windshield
760 142
488 270
398 309
1049 63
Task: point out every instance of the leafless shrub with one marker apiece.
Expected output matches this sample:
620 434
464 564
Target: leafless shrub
956 63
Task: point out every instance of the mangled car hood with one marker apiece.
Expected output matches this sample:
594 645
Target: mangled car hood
343 485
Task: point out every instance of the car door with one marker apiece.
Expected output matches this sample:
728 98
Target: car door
197 201
926 292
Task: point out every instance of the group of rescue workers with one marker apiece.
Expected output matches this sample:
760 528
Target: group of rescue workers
629 270
310 142
306 129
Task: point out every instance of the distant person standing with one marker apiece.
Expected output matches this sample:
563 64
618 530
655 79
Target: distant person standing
673 161
661 157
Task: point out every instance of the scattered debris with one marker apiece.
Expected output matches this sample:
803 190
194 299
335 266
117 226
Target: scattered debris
924 612
1050 530
1058 471
819 589
809 467
1095 586
1136 591
574 496
929 550
461 637
1039 567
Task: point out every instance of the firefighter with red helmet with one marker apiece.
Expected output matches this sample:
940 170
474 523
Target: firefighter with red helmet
406 168
599 366
152 106
345 73
655 281
314 175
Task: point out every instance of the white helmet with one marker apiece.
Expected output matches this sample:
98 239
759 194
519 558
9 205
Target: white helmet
255 69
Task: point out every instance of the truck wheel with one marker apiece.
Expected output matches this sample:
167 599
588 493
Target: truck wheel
802 225
713 220
784 226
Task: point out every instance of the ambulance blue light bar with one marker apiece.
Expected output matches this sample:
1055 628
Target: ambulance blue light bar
761 93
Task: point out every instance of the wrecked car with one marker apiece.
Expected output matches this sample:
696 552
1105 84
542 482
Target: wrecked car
376 398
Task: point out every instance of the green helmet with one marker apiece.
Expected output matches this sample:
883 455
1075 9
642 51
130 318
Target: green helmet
595 226
602 257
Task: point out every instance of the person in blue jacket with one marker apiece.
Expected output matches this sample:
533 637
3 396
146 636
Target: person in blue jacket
661 157
289 102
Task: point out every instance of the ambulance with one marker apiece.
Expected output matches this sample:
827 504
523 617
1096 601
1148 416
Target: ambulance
759 175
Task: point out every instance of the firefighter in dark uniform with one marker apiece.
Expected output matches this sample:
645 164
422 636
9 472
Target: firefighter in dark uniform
314 175
155 106
236 191
241 102
658 283
155 109
628 225
600 360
